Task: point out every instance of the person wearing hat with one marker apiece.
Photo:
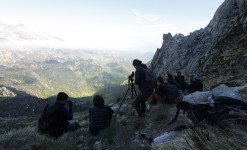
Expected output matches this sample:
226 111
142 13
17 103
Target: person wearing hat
144 86
179 81
195 85
57 117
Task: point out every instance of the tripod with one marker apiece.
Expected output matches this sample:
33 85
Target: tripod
131 88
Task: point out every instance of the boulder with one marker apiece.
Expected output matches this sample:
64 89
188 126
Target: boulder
197 97
124 108
166 137
224 90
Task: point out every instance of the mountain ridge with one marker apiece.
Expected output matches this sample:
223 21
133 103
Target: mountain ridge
21 32
216 53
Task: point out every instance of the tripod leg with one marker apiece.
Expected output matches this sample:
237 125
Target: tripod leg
134 89
132 95
122 101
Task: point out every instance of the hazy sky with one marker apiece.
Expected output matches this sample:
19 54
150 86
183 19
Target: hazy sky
111 24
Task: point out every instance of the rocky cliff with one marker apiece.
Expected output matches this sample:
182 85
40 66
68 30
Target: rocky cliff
217 53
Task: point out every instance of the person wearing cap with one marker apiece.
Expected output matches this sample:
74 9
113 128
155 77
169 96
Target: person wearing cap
144 87
195 85
58 116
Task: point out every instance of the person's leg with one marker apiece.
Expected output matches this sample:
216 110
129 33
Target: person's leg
72 126
139 102
145 96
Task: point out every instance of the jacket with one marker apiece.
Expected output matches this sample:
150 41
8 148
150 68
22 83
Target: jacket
58 117
179 82
100 118
195 85
140 79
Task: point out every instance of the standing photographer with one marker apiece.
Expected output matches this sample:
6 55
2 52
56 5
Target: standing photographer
145 86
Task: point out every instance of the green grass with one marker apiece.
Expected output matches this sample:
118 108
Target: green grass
211 138
29 138
162 113
108 134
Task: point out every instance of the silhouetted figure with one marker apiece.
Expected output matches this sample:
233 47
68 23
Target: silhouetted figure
195 85
100 115
179 81
145 86
54 120
167 93
169 79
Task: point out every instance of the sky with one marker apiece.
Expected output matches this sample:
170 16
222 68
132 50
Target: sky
136 25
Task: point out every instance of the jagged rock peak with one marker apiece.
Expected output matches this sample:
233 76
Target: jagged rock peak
217 52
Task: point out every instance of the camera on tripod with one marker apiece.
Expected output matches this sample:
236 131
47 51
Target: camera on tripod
131 77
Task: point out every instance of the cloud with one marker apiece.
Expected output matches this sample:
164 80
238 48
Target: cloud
145 17
165 25
153 21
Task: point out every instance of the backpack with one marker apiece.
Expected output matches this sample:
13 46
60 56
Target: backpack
151 78
42 119
172 93
47 121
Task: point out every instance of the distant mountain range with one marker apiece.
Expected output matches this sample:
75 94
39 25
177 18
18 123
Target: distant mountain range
21 32
45 72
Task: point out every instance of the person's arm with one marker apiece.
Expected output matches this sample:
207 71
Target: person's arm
138 79
68 114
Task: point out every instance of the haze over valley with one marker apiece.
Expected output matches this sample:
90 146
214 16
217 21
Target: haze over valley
44 70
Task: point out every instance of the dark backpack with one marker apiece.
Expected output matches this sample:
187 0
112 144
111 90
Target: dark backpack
172 93
151 78
47 121
42 119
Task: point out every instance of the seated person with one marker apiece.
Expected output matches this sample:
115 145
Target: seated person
195 85
100 115
159 91
179 81
169 79
54 119
167 93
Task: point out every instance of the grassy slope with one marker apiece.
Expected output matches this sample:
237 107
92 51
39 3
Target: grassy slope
121 133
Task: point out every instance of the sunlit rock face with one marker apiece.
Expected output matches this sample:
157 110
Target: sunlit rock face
217 53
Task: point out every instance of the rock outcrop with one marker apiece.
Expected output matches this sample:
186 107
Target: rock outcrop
222 90
217 53
4 92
